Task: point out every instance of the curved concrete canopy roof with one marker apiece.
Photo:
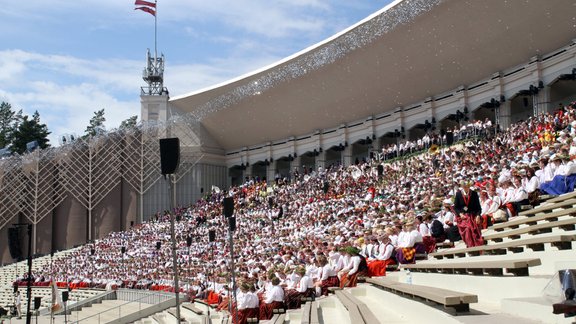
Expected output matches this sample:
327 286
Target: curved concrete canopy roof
411 50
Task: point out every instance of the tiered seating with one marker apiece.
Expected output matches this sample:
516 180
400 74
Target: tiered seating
357 310
548 226
540 238
518 267
310 313
190 312
455 300
504 268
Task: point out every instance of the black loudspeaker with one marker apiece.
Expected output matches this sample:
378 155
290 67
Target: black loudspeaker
131 223
189 241
525 102
158 245
449 138
65 296
169 155
14 242
380 170
228 206
232 224
123 249
326 187
37 301
211 235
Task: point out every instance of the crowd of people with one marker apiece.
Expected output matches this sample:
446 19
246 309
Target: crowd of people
295 239
472 129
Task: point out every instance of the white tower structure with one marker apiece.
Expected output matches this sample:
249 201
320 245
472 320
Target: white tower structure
154 97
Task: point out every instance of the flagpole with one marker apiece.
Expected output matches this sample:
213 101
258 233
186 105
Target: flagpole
156 31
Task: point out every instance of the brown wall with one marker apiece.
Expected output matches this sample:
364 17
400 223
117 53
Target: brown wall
44 235
5 257
69 227
106 215
129 206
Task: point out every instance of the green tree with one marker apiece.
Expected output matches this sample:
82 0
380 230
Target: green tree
30 130
8 123
129 123
96 124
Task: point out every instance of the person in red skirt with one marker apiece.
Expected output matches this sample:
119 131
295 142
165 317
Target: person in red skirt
356 266
247 303
467 208
304 288
328 276
273 299
382 258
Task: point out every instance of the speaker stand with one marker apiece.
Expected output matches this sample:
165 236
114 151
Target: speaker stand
172 186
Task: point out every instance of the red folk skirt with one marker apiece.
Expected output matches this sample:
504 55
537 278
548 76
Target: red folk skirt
330 282
377 268
266 310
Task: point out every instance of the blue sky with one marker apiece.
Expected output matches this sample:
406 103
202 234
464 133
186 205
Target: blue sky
68 58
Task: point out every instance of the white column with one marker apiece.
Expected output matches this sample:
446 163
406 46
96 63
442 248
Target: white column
248 172
347 156
296 164
271 172
321 160
543 100
504 114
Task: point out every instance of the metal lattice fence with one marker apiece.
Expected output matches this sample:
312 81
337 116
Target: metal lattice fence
89 169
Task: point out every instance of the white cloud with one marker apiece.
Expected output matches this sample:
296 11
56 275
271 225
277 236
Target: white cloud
67 90
71 58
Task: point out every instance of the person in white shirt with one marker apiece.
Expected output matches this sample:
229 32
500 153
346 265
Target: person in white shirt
382 258
247 304
424 232
491 203
273 299
530 181
446 216
506 193
542 162
520 196
328 276
407 244
393 235
342 262
423 227
355 266
563 180
550 168
304 288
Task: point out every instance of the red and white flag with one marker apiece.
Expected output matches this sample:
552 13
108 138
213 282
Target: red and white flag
147 6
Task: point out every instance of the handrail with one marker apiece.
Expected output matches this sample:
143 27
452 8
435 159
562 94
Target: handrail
105 295
151 299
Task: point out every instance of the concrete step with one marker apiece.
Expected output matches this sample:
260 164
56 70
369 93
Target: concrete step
391 308
537 308
489 289
331 310
495 319
294 316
